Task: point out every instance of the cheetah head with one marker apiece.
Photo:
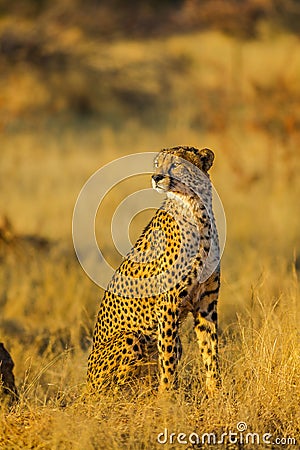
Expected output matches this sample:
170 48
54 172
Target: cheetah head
182 170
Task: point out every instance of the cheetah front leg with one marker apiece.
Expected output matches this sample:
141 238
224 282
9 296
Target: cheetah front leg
207 337
206 323
169 346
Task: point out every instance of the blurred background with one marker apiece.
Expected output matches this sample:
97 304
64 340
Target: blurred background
83 82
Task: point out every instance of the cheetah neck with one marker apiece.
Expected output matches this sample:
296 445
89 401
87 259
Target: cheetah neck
183 200
189 205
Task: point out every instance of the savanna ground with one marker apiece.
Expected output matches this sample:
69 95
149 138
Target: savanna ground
79 103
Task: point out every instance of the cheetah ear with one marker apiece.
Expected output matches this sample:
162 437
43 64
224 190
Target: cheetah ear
206 158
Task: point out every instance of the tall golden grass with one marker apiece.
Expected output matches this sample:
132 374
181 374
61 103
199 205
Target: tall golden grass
250 118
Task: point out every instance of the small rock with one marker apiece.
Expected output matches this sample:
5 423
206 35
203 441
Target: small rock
8 390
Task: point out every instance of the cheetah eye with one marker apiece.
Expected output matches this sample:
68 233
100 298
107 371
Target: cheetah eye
174 165
156 164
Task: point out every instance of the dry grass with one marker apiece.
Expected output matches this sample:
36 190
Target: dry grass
48 304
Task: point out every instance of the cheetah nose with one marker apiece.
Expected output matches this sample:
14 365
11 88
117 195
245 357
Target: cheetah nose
157 178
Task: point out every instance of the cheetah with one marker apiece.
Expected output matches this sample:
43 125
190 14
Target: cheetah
172 270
